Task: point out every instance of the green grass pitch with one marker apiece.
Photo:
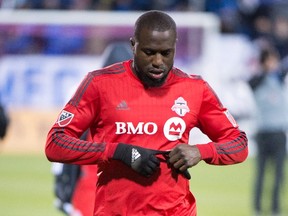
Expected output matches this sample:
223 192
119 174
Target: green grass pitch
26 188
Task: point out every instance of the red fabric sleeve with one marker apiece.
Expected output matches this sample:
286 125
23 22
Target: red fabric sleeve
63 144
229 144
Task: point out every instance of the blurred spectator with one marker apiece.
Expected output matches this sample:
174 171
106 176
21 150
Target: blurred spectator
81 4
227 11
4 121
171 5
280 35
122 5
256 19
272 122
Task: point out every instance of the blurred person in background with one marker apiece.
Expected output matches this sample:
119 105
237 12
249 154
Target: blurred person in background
4 121
280 34
140 113
272 121
74 187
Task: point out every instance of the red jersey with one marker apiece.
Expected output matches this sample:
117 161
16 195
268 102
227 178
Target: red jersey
115 105
84 192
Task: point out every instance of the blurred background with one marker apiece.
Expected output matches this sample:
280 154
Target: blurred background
48 46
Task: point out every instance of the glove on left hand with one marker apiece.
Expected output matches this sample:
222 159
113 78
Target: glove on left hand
142 160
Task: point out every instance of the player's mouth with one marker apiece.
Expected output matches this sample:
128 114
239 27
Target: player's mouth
156 73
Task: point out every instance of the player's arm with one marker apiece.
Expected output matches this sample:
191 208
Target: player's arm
228 146
63 142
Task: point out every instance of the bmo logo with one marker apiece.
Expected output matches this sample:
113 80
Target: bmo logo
141 128
174 128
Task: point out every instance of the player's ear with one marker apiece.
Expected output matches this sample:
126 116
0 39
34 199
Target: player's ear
132 42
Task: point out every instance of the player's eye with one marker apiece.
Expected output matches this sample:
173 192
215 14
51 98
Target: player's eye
166 53
148 52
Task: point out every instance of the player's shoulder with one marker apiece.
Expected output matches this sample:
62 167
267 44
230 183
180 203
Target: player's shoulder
189 77
109 71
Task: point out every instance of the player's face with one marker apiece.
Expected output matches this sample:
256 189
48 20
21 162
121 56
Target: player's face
153 56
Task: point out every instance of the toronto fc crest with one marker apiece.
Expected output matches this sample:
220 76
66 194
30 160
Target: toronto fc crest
180 107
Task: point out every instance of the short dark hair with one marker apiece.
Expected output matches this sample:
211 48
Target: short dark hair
154 20
267 53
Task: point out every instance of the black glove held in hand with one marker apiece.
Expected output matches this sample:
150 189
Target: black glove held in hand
186 174
142 160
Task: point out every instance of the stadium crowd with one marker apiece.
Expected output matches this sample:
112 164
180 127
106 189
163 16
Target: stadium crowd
254 19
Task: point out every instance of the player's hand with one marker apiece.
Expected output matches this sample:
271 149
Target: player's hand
184 156
142 160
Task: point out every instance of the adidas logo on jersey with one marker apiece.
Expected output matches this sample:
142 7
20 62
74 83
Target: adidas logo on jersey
135 155
122 106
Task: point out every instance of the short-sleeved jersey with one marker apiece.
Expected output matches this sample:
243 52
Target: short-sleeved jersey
118 108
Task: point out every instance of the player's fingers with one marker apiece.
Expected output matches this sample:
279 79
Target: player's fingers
180 164
165 153
174 158
147 171
150 168
153 162
183 169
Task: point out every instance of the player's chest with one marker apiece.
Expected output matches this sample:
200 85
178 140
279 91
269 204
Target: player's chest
148 107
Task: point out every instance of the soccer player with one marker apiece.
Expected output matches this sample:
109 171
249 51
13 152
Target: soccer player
140 113
4 122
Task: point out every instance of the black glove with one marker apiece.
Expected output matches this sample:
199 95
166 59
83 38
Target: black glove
186 174
142 160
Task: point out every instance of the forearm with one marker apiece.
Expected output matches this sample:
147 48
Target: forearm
64 148
225 152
